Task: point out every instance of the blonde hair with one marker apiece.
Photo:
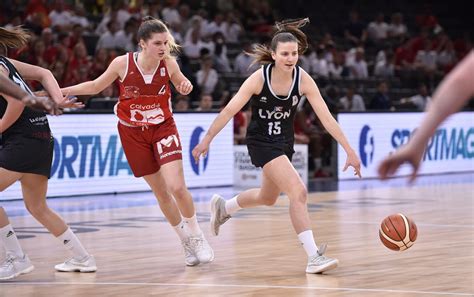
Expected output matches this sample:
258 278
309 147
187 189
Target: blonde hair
285 31
151 25
16 37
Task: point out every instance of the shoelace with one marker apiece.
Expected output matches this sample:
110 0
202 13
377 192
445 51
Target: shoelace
187 247
196 242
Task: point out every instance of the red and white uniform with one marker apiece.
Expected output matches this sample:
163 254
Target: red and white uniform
144 100
146 126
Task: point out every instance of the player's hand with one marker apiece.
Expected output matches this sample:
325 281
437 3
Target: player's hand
185 87
43 104
406 154
353 160
200 150
70 102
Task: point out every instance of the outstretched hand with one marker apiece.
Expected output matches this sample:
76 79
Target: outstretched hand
43 104
406 154
200 150
70 102
353 160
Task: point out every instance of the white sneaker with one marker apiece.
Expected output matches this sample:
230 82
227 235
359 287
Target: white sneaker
319 263
218 214
13 266
189 256
72 265
202 249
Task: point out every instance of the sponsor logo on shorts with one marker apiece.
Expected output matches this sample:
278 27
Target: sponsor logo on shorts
168 142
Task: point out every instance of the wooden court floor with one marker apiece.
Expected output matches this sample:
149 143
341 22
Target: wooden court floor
257 252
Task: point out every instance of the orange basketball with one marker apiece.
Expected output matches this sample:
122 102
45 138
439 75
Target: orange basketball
398 232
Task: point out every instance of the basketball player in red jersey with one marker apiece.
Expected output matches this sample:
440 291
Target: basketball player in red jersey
147 129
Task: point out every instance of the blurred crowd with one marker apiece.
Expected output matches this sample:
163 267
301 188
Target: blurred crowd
373 62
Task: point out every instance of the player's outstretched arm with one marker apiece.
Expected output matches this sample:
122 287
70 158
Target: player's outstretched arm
449 97
251 85
310 89
99 84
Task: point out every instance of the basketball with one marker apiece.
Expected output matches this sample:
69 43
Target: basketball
397 232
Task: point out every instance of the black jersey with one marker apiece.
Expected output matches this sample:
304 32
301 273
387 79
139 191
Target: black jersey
273 115
31 123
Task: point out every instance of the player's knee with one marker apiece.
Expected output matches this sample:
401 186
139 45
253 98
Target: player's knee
300 194
269 201
178 190
37 210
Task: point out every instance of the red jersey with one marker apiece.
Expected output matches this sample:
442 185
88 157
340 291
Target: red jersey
144 100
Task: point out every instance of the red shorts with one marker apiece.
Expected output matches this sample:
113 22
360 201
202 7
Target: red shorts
148 148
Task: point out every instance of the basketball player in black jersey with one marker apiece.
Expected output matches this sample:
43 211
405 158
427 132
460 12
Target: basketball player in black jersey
274 92
26 152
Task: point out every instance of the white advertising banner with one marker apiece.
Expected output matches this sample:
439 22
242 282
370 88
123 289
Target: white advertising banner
89 159
248 176
376 135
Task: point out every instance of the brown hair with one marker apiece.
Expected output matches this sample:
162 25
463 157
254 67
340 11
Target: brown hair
151 25
16 37
285 31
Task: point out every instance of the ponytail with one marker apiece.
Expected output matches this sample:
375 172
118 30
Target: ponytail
16 37
285 31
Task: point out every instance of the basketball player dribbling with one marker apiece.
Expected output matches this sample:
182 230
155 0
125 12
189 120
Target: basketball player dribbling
26 152
274 92
450 96
147 129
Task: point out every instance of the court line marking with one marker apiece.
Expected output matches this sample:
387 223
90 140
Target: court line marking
240 286
354 222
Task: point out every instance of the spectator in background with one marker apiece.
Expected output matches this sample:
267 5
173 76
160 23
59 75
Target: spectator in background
358 68
336 68
378 29
192 40
242 63
420 100
170 12
205 103
385 67
234 28
181 103
447 57
319 66
354 30
60 16
113 38
426 61
381 100
397 29
352 101
221 61
207 76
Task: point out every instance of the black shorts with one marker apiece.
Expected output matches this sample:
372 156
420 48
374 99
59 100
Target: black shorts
263 152
27 155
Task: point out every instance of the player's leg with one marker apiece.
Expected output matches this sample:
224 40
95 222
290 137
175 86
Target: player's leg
16 261
173 175
222 210
281 172
170 210
34 188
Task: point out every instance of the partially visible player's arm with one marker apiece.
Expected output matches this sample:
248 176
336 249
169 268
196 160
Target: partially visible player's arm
44 76
449 97
180 82
99 84
252 85
311 91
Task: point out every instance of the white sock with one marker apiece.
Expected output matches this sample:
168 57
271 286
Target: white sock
193 226
10 241
182 230
232 206
307 241
72 244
